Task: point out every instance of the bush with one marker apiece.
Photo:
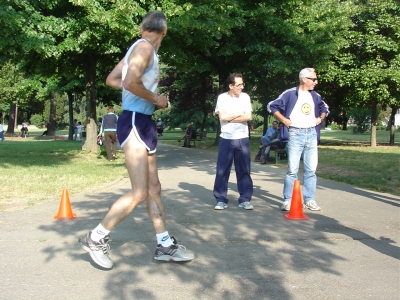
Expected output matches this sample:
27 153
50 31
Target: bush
62 126
380 127
362 119
335 126
37 120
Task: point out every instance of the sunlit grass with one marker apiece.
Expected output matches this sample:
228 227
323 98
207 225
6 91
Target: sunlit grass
35 170
372 168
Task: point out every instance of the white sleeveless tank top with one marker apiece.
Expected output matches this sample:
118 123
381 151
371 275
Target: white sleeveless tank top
150 79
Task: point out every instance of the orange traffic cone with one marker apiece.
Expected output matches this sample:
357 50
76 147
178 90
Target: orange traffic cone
296 207
55 137
61 137
19 136
65 210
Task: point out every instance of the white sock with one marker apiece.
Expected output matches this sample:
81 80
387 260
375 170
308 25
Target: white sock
163 239
98 233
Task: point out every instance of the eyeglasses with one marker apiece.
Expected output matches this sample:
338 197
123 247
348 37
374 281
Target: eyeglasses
313 79
239 85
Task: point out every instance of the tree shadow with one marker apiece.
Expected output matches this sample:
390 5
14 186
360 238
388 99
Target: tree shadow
239 254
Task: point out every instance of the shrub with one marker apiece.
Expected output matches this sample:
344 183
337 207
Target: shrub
362 119
335 126
37 120
380 127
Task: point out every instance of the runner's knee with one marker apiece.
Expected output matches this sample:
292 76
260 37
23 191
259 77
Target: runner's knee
155 189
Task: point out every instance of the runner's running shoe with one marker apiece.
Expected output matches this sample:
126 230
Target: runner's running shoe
174 252
98 251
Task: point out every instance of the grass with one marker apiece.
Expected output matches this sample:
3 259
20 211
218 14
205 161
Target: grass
38 168
371 168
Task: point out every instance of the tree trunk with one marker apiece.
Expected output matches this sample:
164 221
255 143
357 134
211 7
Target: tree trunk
91 130
266 117
70 115
345 120
11 119
90 123
220 91
373 124
391 125
51 129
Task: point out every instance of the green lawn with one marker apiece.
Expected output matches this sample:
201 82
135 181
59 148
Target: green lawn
37 168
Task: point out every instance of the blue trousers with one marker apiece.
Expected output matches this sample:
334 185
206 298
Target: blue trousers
237 151
301 141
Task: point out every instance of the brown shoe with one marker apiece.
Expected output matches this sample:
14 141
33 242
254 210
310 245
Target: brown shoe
263 161
256 159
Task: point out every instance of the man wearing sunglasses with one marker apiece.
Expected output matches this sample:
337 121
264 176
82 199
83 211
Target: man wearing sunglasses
301 110
234 111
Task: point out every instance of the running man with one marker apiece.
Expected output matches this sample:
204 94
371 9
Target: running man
137 75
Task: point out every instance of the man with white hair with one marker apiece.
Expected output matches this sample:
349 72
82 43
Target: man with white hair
301 110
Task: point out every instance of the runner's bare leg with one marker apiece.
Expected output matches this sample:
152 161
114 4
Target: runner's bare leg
142 170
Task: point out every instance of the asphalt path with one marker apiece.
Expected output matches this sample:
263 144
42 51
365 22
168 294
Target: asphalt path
350 250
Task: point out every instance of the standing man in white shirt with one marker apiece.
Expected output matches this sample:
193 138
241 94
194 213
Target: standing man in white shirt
301 110
234 111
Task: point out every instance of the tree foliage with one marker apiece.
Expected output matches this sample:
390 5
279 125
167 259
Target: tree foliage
267 41
70 47
366 69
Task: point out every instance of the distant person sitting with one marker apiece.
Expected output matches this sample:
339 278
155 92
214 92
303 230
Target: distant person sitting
275 144
265 139
187 136
47 129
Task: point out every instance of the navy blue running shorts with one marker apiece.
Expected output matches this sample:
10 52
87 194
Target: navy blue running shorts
141 125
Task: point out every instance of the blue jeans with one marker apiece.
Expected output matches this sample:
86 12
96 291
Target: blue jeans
301 141
263 142
230 151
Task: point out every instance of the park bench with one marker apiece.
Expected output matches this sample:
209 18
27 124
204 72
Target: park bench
200 137
280 155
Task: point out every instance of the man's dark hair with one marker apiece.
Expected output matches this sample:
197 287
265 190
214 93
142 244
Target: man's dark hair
154 21
231 78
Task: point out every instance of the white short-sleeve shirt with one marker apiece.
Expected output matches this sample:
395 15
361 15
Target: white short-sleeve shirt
234 106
